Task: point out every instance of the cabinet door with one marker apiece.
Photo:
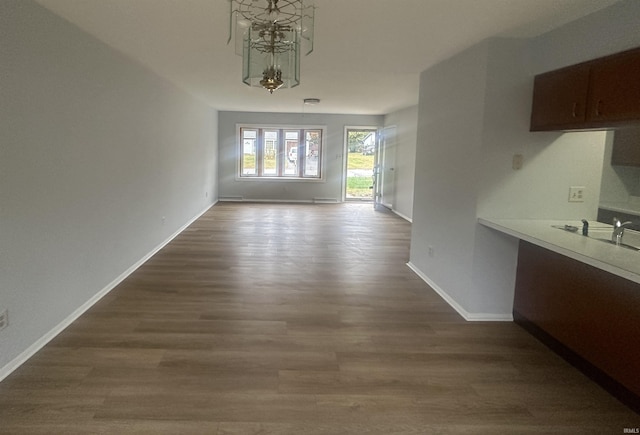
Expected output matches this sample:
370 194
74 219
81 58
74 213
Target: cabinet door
589 311
615 89
560 98
626 147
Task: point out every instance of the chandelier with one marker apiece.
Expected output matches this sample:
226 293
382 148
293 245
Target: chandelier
270 34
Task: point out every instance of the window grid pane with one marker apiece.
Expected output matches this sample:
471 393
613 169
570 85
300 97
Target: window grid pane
270 153
312 153
248 165
280 153
291 143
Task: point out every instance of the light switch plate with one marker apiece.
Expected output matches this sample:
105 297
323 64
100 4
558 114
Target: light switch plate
576 194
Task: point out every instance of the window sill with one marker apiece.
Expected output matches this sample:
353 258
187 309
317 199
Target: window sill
282 179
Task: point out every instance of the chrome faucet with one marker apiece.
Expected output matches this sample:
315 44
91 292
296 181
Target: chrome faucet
618 230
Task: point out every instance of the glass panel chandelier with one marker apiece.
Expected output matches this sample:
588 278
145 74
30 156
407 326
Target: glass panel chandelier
270 34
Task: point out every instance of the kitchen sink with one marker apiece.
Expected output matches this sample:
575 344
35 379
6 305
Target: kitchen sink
603 234
622 245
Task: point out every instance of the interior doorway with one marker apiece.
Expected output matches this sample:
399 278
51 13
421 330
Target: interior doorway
361 151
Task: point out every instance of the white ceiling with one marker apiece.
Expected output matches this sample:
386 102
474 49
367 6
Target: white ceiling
367 57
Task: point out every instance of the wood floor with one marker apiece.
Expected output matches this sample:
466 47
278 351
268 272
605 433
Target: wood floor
295 319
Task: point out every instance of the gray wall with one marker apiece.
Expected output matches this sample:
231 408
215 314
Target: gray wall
330 189
620 184
406 124
450 128
473 117
100 163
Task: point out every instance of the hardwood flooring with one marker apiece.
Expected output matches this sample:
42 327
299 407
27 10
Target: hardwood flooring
295 319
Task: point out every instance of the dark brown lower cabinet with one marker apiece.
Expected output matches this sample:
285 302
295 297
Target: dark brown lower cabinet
589 316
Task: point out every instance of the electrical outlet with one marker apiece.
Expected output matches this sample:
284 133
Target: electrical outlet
516 163
576 194
4 319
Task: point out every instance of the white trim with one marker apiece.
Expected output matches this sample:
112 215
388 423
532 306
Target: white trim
345 156
406 218
46 338
282 179
238 156
471 317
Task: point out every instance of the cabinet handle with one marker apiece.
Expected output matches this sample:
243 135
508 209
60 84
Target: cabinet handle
573 111
598 107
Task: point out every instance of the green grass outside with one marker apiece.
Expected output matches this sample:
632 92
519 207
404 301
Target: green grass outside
249 161
358 161
357 187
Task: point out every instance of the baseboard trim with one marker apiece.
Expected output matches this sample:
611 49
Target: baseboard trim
271 201
471 317
406 218
282 201
46 338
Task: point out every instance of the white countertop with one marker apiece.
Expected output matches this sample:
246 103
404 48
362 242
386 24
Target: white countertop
614 259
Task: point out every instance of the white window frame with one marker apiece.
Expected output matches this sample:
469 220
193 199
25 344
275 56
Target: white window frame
282 128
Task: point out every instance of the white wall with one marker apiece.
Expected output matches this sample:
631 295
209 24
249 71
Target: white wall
604 32
100 163
406 128
450 124
330 189
553 161
473 117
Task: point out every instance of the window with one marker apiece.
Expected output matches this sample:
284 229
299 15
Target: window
280 152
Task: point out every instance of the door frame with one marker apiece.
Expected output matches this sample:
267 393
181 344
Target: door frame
345 157
387 137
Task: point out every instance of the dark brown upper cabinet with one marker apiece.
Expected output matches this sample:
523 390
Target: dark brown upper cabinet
615 89
599 94
560 98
